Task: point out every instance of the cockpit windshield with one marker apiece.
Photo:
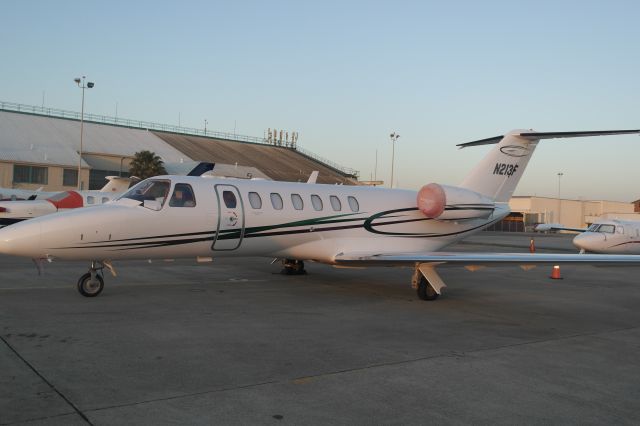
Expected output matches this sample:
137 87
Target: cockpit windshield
152 193
604 228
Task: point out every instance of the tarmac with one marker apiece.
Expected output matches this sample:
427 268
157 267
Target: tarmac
235 342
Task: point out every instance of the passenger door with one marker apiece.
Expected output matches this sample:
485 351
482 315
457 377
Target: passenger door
230 218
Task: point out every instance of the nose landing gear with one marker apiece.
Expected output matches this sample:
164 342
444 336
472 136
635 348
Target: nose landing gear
91 283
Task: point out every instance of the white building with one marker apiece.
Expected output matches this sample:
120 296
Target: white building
529 211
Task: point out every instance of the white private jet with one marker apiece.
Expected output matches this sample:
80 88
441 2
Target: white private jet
16 211
604 236
168 217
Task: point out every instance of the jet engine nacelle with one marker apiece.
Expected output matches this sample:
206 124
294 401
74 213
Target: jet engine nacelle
445 202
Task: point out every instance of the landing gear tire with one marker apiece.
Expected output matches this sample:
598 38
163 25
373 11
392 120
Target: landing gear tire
293 267
425 291
89 287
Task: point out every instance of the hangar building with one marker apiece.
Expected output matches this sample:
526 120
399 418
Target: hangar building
528 211
39 148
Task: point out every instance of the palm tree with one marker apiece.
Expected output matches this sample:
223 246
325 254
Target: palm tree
146 164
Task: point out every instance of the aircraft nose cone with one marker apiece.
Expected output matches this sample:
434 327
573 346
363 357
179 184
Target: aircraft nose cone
586 241
20 239
4 245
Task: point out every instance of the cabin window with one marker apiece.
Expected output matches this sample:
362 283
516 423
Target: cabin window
296 200
276 201
335 203
91 199
353 203
619 229
183 196
229 199
105 200
255 200
607 229
316 201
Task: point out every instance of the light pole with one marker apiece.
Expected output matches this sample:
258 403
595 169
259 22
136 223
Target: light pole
81 84
560 174
205 126
394 137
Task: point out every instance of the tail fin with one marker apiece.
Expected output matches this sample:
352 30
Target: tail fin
498 174
117 184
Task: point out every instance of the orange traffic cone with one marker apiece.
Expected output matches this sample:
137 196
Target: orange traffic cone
532 246
555 273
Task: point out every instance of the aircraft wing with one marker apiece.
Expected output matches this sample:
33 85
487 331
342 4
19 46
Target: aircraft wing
556 227
482 259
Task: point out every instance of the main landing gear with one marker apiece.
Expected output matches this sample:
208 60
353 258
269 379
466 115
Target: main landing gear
293 267
425 291
427 282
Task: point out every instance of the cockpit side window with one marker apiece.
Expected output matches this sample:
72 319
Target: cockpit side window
607 229
182 196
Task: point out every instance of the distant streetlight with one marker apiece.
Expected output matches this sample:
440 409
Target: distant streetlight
394 137
560 174
205 126
81 84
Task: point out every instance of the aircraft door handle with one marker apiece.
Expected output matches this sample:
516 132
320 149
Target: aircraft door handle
231 219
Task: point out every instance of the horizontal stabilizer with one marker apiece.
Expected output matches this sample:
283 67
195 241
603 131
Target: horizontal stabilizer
549 135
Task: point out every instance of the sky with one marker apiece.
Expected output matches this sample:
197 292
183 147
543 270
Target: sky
346 74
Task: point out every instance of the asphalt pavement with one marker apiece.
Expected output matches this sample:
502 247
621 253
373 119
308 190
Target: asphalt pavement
236 342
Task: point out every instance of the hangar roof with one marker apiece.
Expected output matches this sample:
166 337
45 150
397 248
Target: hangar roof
47 140
279 163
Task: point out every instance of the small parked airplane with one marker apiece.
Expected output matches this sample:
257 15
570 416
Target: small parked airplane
114 184
604 236
347 226
16 211
11 194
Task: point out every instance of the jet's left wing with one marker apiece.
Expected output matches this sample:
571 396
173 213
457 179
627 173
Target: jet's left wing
481 259
544 227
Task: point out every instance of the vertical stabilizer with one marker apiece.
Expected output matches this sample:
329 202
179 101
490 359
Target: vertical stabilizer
499 172
117 184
